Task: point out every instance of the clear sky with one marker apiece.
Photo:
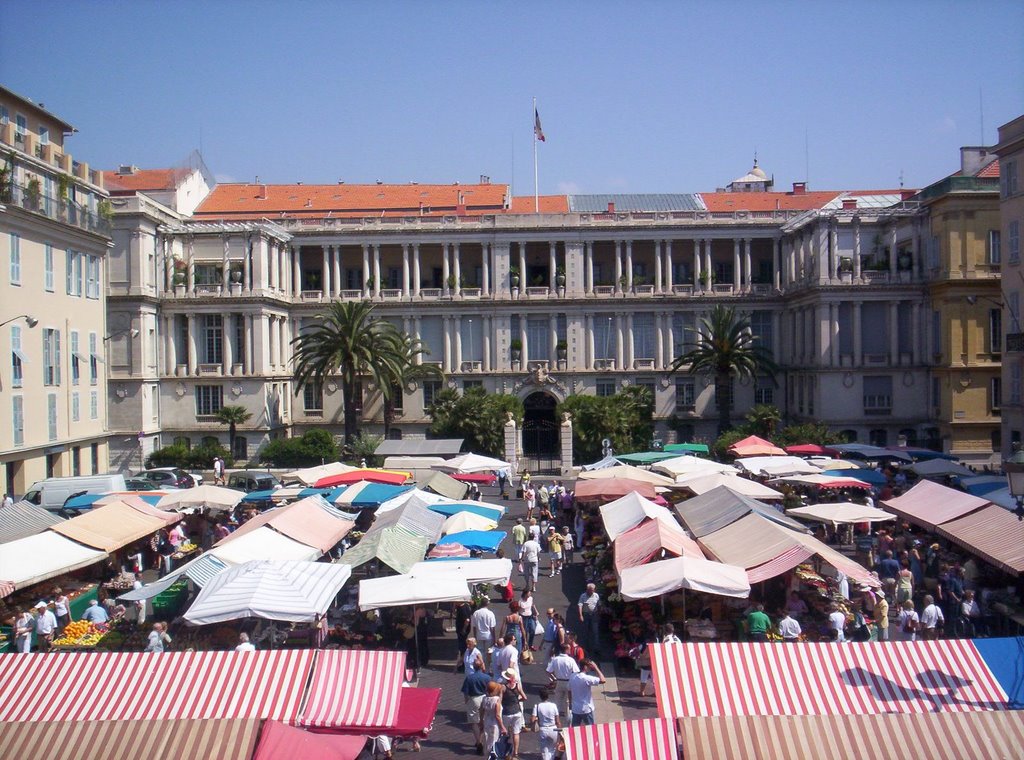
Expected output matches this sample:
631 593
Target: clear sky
633 96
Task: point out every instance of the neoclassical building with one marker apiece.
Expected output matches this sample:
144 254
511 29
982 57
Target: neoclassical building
591 294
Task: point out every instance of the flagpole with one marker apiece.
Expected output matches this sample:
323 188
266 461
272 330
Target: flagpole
536 192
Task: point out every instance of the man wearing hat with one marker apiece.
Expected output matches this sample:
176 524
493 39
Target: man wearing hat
46 625
882 615
512 700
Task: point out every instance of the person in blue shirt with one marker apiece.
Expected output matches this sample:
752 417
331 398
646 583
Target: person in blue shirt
474 688
94 613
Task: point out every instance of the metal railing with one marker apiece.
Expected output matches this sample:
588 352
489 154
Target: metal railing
59 209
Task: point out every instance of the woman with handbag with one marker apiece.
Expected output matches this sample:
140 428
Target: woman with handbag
546 721
909 622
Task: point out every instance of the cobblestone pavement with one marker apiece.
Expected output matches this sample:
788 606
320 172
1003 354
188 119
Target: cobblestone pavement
451 737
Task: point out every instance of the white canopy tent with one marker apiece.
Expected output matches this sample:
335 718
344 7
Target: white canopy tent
701 484
690 465
777 465
468 463
263 543
629 472
37 558
600 464
840 512
425 498
310 475
294 591
213 498
493 571
667 575
629 511
400 590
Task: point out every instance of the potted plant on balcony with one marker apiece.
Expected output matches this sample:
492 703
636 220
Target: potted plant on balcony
513 277
845 268
5 183
33 192
515 347
451 283
179 277
562 350
707 279
235 278
560 277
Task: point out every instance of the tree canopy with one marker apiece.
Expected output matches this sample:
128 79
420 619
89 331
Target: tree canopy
624 418
475 416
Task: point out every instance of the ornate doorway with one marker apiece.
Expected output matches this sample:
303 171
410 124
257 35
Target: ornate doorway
540 434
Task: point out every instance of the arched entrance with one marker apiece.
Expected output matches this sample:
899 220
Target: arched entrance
540 433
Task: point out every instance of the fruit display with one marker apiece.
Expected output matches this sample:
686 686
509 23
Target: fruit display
81 633
185 549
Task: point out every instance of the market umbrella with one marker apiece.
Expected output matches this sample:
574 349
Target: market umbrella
310 475
688 464
472 463
467 521
939 468
611 488
391 477
810 449
213 498
481 540
445 551
290 590
752 446
490 511
834 464
703 483
628 471
840 512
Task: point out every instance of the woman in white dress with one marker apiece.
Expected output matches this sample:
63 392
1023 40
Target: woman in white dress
909 622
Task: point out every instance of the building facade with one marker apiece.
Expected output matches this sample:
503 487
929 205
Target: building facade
54 239
590 295
1011 209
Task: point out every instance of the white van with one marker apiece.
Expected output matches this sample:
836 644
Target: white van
53 492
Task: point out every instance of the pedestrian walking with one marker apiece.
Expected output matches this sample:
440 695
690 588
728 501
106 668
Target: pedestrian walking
513 624
484 624
46 626
881 616
588 608
23 626
218 471
559 670
568 545
463 625
530 498
528 611
491 715
909 622
554 539
581 685
529 558
932 619
547 723
512 701
519 534
474 689
470 654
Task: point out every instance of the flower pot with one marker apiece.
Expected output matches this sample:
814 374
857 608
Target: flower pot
560 279
514 280
236 276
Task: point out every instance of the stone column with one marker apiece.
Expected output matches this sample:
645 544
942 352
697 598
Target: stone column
630 346
296 272
336 271
445 270
415 270
697 285
736 271
553 340
193 347
670 339
485 266
270 326
629 266
915 333
590 357
366 271
833 334
172 347
707 263
620 363
776 335
405 271
894 334
512 446
565 438
457 268
858 337
856 248
777 264
657 268
588 286
227 336
417 333
522 267
669 275
892 251
552 267
659 350
456 323
376 271
325 277
618 267
523 339
486 327
748 264
833 249
447 359
915 249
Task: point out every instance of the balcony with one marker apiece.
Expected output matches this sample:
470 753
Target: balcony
643 290
391 294
538 292
604 365
61 210
722 289
471 366
312 295
426 293
643 363
351 295
682 290
876 360
209 369
604 290
472 293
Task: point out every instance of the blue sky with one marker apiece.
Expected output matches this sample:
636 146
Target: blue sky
634 97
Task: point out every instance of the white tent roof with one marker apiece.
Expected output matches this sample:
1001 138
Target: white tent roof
311 475
608 461
263 543
840 512
690 465
495 571
827 463
214 498
656 578
472 463
45 555
777 465
630 472
423 497
467 521
295 591
629 511
400 590
703 483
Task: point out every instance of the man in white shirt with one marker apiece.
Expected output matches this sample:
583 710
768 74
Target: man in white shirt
588 606
243 644
581 687
46 625
669 636
932 619
530 558
789 628
507 657
837 622
484 623
560 669
8 500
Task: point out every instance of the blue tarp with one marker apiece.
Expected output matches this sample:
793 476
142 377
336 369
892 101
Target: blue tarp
150 498
480 540
315 491
85 501
870 477
259 495
375 494
454 507
980 485
1005 658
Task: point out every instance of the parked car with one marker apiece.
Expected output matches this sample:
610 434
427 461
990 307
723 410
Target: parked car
142 484
173 477
196 477
253 480
53 492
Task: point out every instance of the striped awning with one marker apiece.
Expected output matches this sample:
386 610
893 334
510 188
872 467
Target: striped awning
125 739
823 678
354 688
936 736
6 589
23 519
112 686
781 564
650 739
992 533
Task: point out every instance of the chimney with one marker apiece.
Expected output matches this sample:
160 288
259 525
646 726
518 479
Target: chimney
611 207
262 195
973 159
849 203
799 188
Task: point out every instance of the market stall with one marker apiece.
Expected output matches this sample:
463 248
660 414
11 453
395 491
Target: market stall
609 489
310 475
389 477
476 540
492 571
310 521
626 472
279 741
367 495
208 498
929 504
448 508
461 521
721 506
653 539
262 543
466 463
753 446
992 533
701 484
46 555
23 519
649 738
686 572
447 486
431 587
687 464
397 547
777 465
116 525
628 511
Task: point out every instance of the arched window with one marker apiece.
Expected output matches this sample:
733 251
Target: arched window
878 437
241 447
210 440
848 436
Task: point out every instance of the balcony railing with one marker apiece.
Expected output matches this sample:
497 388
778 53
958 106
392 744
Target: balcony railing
471 366
391 294
430 293
209 369
312 295
59 209
471 292
604 364
604 290
683 290
351 295
538 292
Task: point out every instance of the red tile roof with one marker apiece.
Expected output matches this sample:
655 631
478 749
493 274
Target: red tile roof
549 204
142 180
719 202
250 200
992 170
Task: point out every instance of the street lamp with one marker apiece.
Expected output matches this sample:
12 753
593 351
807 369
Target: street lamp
32 321
1014 469
130 331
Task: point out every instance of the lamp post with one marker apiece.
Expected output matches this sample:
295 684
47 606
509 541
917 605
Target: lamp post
1014 469
30 320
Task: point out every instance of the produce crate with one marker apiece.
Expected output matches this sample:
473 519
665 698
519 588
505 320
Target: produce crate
169 603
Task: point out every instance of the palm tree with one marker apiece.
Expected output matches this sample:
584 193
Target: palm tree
350 342
725 348
405 372
765 419
233 416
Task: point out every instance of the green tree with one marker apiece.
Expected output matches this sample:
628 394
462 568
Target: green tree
764 419
405 371
475 416
233 416
314 447
725 348
352 343
808 432
624 419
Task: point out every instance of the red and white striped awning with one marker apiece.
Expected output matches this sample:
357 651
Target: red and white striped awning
650 739
110 686
6 589
353 688
781 564
822 678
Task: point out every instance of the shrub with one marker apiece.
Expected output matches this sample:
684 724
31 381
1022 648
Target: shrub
201 457
314 447
169 456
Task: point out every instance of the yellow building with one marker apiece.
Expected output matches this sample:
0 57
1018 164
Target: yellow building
960 218
53 244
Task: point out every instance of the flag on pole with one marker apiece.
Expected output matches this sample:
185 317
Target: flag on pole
538 133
